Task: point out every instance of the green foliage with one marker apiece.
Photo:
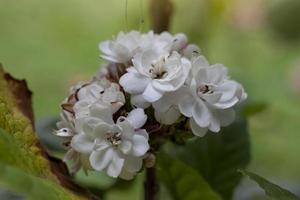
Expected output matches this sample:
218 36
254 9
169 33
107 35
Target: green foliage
31 187
25 166
271 190
182 181
19 143
218 156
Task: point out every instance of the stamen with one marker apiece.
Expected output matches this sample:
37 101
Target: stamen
157 70
114 138
203 89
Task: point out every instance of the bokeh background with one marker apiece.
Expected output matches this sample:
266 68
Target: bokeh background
54 44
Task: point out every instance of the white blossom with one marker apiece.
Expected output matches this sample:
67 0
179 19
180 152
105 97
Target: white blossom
116 148
159 70
84 95
175 43
191 51
211 97
122 49
66 127
166 109
152 75
126 45
101 90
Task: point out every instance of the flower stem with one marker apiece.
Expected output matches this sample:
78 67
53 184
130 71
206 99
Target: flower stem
160 14
150 184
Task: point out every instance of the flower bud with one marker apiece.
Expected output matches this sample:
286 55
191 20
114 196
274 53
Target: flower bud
150 160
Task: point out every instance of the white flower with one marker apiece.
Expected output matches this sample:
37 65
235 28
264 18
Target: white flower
122 49
82 96
166 109
66 127
126 45
152 75
101 90
211 98
175 43
116 148
191 51
179 43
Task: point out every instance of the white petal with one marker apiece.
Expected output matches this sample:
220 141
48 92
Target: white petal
134 83
212 98
82 143
126 128
143 133
197 63
105 47
101 129
125 146
168 117
87 125
101 159
139 101
180 41
214 125
110 58
202 76
133 164
217 73
201 114
200 61
140 145
228 89
186 106
197 130
230 94
115 167
137 117
142 61
191 51
126 175
151 94
102 111
123 54
226 117
101 144
163 86
162 105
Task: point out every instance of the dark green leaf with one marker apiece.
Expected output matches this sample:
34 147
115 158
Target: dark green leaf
271 190
182 181
217 156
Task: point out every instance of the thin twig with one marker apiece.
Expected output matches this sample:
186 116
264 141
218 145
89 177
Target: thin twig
150 185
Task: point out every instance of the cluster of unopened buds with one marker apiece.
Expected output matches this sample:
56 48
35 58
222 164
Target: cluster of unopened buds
152 87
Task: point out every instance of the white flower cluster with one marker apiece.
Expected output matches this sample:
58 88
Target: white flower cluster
160 72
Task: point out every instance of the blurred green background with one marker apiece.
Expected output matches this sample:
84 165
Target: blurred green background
54 43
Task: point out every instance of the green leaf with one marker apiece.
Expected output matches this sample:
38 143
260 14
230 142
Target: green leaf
271 190
19 145
217 156
31 187
183 181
